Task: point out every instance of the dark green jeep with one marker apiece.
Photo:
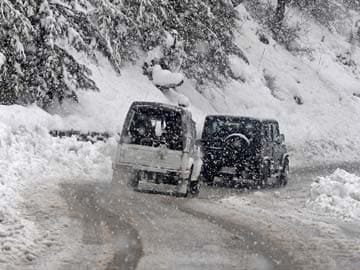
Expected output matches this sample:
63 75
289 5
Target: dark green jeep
243 151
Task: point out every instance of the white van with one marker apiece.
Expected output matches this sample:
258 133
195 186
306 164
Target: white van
158 151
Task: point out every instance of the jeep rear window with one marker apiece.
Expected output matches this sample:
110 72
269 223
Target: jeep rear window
155 126
221 127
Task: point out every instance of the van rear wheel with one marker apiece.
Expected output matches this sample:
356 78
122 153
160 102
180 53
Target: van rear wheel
133 179
119 178
193 189
124 176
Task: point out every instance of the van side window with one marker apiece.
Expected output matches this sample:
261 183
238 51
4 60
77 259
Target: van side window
193 125
193 135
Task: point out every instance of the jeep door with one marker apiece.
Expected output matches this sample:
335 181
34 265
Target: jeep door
277 145
267 141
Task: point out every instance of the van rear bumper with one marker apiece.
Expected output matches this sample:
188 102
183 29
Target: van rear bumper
184 174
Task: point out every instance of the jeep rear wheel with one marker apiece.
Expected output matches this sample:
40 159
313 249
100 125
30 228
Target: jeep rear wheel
207 177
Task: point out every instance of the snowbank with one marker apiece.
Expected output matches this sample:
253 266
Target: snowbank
337 194
165 77
30 158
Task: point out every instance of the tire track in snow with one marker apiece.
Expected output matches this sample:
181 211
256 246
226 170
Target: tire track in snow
102 227
275 256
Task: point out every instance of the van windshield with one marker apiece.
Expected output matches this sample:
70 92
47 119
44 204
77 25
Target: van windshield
155 126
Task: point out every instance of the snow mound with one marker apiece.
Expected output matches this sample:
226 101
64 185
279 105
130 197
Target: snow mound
30 158
165 77
337 194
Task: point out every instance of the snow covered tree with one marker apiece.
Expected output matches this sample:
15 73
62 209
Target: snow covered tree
204 28
324 11
35 37
38 39
279 14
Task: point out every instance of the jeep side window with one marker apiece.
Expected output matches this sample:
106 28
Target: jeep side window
267 133
276 130
192 133
272 133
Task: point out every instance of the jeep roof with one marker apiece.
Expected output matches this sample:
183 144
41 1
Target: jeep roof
263 120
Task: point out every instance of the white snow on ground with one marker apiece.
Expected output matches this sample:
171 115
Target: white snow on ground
30 157
337 194
318 237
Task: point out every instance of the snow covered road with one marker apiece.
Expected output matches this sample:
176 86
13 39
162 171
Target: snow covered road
111 228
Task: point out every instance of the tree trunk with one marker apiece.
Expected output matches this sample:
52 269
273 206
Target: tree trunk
280 10
279 15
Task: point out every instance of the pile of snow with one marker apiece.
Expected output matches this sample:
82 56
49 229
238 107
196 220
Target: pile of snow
337 194
30 158
163 77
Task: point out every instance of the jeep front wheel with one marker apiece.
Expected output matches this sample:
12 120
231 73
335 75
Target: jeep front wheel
264 175
284 175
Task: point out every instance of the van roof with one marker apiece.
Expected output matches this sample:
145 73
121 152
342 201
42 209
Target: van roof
157 105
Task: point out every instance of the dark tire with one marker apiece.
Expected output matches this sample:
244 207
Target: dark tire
193 189
264 175
133 179
119 176
207 177
284 175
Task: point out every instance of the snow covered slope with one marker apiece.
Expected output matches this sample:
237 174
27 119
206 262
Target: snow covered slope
313 94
